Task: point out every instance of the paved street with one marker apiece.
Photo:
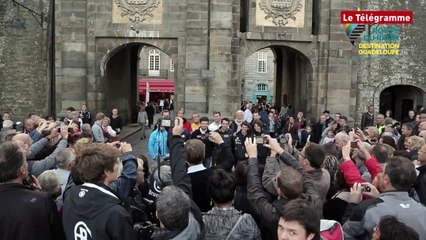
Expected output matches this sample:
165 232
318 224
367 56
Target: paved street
133 136
139 146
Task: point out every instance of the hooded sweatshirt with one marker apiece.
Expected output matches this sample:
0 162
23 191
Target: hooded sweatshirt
94 212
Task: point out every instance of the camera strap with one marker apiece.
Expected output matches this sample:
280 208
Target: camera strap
235 226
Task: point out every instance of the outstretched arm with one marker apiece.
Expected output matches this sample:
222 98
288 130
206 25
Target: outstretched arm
180 177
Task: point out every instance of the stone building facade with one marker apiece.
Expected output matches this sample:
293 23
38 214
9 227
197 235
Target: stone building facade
258 81
154 63
96 45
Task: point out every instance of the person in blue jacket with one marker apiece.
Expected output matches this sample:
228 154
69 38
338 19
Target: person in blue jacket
157 145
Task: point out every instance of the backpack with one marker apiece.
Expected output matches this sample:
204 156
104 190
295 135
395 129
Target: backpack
331 230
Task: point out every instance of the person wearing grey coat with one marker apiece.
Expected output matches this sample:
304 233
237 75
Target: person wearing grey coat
394 183
224 221
142 120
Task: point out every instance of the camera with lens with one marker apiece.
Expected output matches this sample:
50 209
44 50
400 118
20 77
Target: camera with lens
365 188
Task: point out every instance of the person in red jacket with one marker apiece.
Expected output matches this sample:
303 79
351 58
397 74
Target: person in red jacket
186 123
349 169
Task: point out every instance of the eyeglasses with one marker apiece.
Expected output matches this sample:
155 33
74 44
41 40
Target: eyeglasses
300 154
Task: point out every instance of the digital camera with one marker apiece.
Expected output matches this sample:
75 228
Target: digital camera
365 188
166 122
261 140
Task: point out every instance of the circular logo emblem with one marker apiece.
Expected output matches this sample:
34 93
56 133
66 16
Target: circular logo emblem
82 232
82 193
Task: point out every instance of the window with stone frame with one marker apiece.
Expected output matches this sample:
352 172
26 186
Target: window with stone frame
262 87
154 63
262 58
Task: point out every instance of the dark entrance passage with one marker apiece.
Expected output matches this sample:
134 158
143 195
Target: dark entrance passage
126 68
400 99
293 72
282 78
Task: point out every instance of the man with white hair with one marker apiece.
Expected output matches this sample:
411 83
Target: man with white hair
236 124
64 161
341 138
51 184
248 115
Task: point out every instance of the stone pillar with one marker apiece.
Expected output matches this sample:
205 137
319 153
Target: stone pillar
335 67
196 41
71 54
224 49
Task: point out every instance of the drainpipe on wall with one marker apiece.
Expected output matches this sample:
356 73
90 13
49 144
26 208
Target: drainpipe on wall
208 53
52 60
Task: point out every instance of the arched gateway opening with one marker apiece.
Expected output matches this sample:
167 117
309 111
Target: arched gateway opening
400 99
136 73
280 74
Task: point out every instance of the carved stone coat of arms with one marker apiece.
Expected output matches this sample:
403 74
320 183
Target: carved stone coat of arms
137 10
281 10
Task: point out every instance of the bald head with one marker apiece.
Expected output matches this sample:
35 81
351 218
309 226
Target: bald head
25 138
422 134
422 156
422 126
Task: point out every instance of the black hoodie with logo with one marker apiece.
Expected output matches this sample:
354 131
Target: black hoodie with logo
94 212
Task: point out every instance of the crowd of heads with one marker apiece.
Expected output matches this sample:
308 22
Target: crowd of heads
301 166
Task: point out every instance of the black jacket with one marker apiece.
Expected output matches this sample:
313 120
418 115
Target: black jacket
116 123
26 214
86 117
367 120
180 179
420 185
262 151
269 209
240 152
209 145
96 211
200 179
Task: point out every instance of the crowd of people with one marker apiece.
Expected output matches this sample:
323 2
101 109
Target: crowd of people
264 174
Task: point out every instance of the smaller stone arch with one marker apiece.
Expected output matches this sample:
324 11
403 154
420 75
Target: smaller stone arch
293 71
107 48
397 97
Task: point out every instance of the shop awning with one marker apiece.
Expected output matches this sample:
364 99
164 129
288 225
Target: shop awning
157 85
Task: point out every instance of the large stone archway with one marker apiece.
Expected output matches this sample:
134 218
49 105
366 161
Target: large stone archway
295 77
116 76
